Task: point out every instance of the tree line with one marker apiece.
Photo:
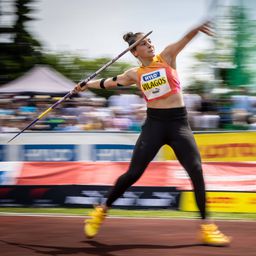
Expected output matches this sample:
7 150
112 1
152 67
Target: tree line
234 46
20 50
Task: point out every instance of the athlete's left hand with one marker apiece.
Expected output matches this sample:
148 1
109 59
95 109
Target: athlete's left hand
206 28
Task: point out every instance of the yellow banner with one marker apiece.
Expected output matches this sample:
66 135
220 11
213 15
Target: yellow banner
221 202
227 147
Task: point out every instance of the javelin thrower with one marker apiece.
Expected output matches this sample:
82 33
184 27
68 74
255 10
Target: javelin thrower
166 123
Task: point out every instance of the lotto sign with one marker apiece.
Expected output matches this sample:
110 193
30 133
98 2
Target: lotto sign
221 201
228 147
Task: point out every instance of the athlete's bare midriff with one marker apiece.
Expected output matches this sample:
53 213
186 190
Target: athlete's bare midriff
171 101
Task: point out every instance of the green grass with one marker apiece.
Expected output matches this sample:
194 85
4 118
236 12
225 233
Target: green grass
129 213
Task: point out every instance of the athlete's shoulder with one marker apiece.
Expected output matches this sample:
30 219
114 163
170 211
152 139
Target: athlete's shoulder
132 72
166 58
161 57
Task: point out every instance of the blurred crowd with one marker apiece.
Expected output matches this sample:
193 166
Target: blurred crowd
124 112
221 112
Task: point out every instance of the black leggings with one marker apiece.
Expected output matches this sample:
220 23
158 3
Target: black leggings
164 126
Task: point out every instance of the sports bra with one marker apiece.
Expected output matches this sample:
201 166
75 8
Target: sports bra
158 80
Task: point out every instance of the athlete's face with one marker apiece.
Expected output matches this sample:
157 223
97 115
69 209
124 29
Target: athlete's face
145 49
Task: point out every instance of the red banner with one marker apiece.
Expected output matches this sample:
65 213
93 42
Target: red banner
230 176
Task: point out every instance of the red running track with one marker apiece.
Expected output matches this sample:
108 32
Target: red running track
35 235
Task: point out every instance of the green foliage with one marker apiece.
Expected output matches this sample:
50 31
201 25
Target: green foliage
236 47
200 85
232 58
77 68
196 87
23 51
245 46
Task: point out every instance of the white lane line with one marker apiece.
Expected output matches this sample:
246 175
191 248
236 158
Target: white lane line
49 215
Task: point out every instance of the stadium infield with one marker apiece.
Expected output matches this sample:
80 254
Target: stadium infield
61 233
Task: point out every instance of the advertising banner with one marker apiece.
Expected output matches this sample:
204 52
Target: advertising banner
221 201
112 152
87 196
104 146
2 153
218 176
228 147
10 172
53 153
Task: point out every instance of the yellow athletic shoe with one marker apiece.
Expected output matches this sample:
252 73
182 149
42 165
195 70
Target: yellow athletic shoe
210 235
92 225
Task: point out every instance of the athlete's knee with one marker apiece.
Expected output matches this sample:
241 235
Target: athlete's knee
196 165
195 172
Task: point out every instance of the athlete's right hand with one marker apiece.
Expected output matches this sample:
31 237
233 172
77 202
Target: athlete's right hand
80 87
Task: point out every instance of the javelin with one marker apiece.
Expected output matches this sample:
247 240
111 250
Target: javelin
82 83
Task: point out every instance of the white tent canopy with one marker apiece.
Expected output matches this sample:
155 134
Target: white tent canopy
40 79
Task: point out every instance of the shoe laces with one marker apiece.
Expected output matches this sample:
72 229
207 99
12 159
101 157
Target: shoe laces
212 230
97 215
209 227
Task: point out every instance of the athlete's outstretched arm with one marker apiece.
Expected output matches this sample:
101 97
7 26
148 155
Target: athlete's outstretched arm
172 50
125 79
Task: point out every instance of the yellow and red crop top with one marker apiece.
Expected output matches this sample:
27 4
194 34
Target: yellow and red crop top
158 80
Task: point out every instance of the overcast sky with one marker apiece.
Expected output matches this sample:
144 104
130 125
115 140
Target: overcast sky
94 28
